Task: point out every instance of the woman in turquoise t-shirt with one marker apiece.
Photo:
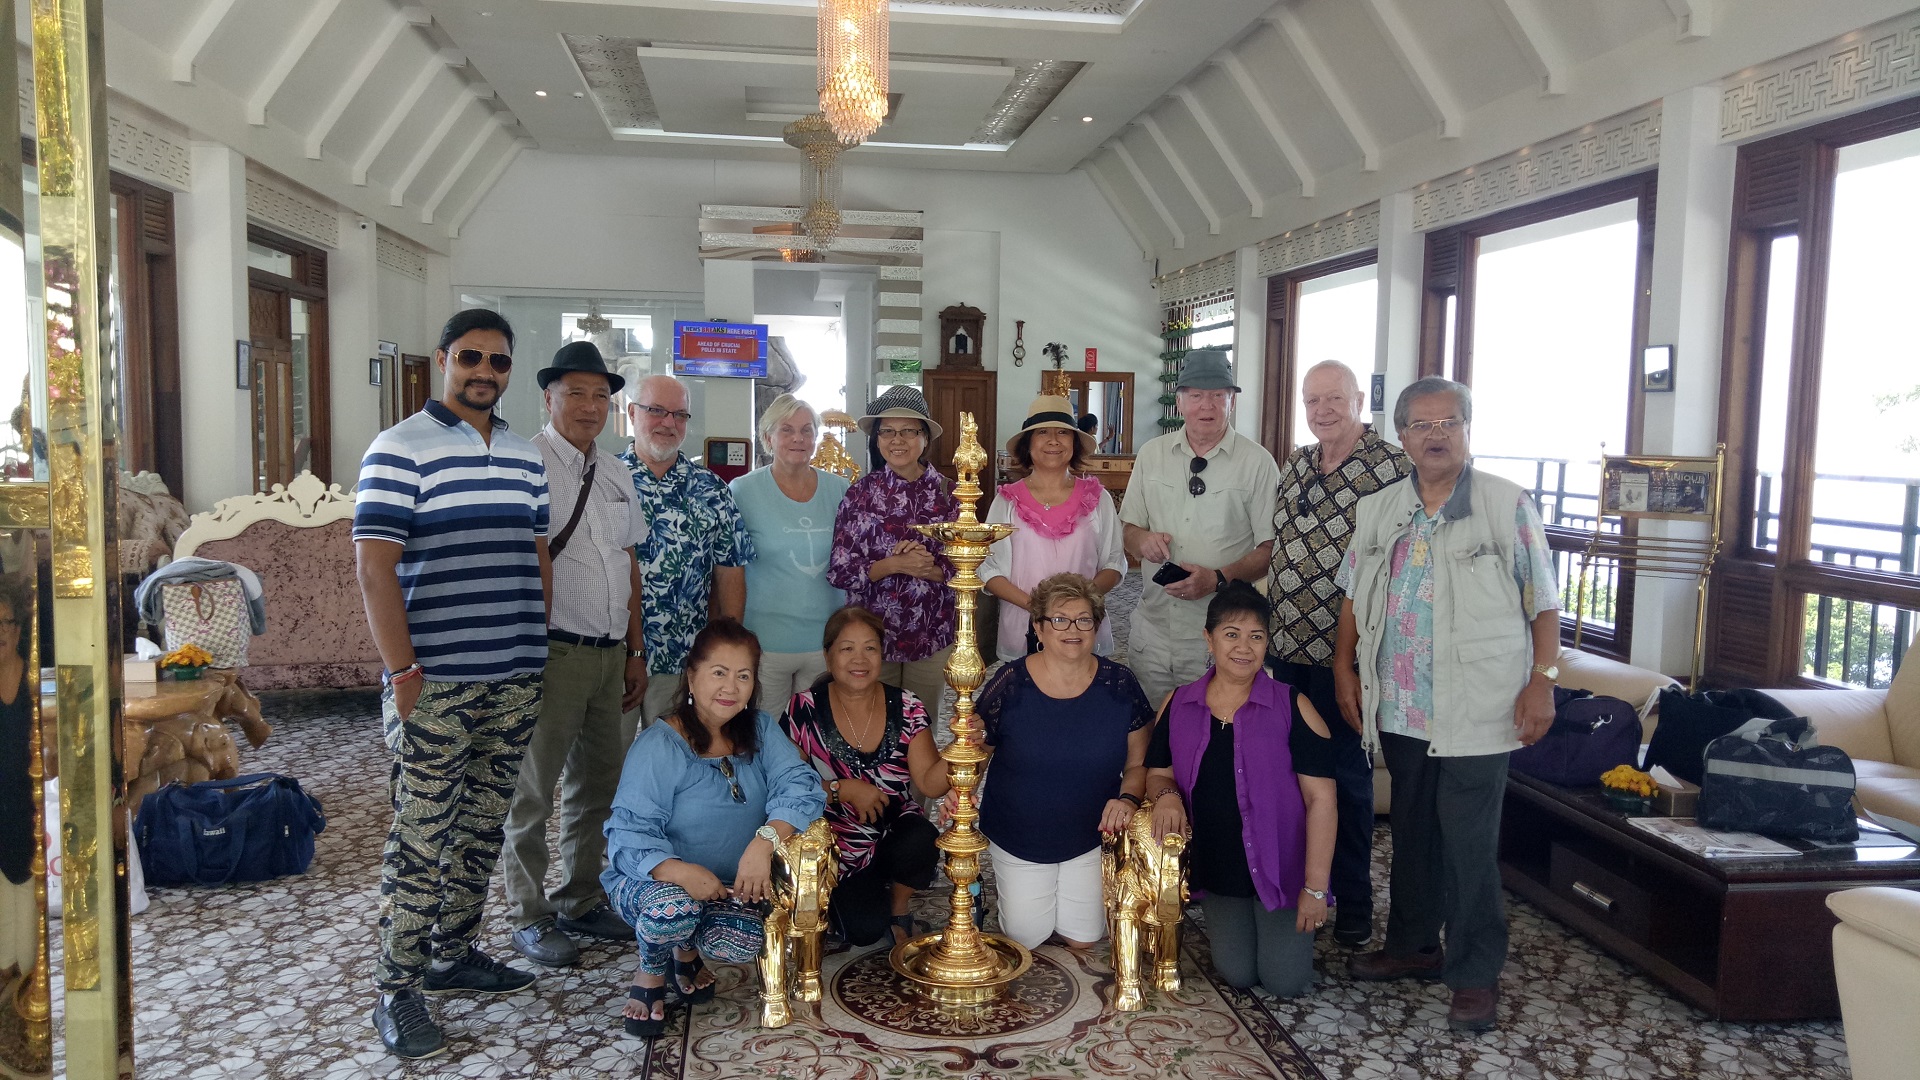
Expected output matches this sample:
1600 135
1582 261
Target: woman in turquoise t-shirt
789 508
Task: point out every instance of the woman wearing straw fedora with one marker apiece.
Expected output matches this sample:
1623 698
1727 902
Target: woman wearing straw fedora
1064 523
878 558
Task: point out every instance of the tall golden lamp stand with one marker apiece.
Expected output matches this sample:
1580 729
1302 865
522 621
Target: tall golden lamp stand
959 965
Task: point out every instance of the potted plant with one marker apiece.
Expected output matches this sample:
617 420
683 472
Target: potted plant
186 662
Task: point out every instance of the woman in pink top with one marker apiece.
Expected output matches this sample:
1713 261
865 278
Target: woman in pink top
1064 523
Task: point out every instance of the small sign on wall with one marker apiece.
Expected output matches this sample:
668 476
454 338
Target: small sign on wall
1093 359
1379 392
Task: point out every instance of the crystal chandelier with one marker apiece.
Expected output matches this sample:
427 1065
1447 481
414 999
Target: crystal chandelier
593 323
819 178
853 67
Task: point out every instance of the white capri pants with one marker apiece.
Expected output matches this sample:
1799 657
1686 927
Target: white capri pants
1038 900
784 674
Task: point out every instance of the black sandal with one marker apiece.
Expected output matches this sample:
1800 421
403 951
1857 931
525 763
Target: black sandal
904 922
646 1027
692 993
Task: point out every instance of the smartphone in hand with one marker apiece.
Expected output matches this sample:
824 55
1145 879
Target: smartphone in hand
1169 573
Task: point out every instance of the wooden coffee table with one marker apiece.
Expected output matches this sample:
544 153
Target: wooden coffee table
1743 939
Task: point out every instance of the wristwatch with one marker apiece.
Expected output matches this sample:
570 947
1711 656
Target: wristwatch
1551 671
636 654
1317 894
765 832
1220 580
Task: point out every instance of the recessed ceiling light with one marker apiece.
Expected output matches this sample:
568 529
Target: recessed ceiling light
539 93
1086 119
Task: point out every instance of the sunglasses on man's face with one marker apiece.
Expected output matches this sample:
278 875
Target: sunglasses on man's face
471 358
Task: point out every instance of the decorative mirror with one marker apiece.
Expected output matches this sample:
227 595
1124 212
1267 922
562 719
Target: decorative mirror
1109 396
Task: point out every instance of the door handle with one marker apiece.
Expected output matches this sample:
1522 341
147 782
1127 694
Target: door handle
1593 896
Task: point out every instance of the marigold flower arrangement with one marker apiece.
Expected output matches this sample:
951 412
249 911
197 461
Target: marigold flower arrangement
1627 780
187 656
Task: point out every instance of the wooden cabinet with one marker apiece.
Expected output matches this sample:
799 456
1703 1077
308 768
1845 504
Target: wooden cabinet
950 393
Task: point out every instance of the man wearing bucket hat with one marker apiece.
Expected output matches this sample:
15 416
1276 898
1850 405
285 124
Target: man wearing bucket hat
1198 514
595 669
878 558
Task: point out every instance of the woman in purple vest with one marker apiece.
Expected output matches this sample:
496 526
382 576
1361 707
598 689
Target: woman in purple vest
1252 763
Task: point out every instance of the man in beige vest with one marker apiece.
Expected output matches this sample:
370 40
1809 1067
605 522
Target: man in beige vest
1444 657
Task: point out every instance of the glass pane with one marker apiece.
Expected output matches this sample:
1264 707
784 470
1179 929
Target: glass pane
1854 642
1336 321
1776 362
302 434
23 352
1866 492
1446 339
270 260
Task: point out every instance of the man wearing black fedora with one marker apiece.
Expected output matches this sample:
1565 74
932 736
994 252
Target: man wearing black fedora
595 670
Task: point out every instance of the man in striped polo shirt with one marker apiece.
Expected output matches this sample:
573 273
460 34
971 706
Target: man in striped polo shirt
450 534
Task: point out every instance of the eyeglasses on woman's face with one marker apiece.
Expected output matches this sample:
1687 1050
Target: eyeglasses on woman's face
1063 623
888 434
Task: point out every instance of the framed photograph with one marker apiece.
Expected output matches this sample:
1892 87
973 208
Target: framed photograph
1677 489
376 370
1379 392
389 349
243 365
1656 369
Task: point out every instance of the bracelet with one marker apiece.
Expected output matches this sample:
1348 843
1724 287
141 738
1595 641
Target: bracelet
1164 792
1128 796
413 670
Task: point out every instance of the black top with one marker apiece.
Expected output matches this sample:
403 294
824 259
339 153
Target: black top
1217 854
16 786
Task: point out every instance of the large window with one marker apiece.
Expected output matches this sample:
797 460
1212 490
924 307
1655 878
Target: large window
1542 311
1328 311
1822 403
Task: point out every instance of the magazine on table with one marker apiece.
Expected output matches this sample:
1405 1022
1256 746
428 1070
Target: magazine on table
1712 843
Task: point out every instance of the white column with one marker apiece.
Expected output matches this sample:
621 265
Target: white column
1692 220
353 318
728 403
216 415
1249 340
1402 265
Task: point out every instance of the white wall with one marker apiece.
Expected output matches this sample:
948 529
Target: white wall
1046 249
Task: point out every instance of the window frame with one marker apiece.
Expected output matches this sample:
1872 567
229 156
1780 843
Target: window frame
309 283
1449 273
1784 185
1283 344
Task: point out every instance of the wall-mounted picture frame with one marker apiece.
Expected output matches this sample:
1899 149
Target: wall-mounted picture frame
389 349
376 370
243 365
1656 369
1379 392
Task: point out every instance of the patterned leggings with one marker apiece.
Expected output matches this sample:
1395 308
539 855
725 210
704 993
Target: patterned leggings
456 760
665 918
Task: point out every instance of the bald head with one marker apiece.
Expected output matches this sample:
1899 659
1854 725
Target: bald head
657 410
1332 405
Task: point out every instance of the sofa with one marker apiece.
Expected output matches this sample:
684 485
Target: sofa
1876 962
298 538
1879 729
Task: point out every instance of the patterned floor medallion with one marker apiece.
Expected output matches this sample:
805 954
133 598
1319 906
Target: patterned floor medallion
869 991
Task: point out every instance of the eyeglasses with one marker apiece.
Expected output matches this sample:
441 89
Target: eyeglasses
1196 486
725 765
659 413
470 358
1429 428
1061 622
898 432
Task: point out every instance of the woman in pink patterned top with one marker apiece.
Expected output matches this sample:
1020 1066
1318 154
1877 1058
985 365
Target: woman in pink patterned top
870 744
1063 524
878 558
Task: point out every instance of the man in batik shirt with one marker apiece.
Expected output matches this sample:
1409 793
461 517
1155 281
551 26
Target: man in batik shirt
693 562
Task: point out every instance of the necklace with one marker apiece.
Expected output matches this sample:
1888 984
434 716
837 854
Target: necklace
859 741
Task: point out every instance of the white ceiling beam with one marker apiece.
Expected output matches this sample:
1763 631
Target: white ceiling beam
428 148
1271 121
488 129
1294 33
1180 170
375 51
1153 197
417 14
1529 30
1119 208
1694 16
402 108
1419 66
296 47
1256 205
486 184
204 24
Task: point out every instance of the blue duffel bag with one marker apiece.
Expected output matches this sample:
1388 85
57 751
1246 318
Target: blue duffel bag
1774 777
249 828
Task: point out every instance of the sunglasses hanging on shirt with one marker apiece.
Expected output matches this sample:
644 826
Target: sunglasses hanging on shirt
1196 486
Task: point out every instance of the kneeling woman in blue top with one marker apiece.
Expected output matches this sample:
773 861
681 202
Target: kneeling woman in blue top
1254 761
703 798
1069 733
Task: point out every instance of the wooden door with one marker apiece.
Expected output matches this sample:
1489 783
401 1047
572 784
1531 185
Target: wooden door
272 416
415 383
950 393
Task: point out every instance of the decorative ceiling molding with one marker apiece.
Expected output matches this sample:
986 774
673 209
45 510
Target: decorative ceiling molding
300 215
145 152
611 68
898 219
400 256
1211 278
1034 85
884 245
1599 151
1867 67
1356 230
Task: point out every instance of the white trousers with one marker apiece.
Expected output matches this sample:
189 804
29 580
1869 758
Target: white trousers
784 674
1038 900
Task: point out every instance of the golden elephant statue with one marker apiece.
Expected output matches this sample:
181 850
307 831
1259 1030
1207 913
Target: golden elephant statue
1146 890
806 867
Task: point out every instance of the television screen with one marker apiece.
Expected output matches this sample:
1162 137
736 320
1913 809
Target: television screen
718 349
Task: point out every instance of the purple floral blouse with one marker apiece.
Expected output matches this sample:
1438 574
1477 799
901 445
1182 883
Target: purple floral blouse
879 511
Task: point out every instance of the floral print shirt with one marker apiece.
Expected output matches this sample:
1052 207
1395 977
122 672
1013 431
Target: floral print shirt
1406 641
879 511
693 528
809 723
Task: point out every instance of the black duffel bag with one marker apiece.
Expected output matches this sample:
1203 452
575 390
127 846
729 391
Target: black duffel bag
1590 735
1774 777
1688 722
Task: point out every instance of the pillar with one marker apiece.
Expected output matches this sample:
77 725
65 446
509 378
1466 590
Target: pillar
217 416
1401 272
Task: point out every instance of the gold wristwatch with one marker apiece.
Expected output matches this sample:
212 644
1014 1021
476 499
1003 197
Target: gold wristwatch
1551 671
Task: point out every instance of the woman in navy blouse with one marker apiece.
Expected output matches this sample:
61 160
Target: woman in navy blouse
704 796
1069 733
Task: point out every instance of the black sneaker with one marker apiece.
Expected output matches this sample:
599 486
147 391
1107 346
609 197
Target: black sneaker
1354 928
478 973
406 1027
543 943
601 922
